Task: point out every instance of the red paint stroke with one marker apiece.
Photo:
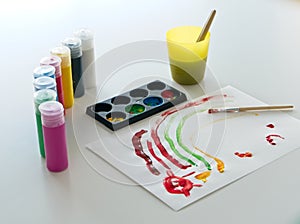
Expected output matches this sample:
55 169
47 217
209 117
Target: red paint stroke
169 112
270 126
154 131
270 138
243 155
150 148
191 104
179 185
164 151
136 141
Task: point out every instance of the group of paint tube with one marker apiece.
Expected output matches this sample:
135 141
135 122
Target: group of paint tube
60 77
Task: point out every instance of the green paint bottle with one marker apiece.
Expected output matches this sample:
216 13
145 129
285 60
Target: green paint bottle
41 96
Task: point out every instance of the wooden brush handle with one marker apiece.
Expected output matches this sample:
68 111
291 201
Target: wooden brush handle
282 107
206 26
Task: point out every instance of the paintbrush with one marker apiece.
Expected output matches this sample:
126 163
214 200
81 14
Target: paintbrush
206 27
252 108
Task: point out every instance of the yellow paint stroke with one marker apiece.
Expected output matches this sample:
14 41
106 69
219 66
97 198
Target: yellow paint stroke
228 117
220 164
231 116
203 176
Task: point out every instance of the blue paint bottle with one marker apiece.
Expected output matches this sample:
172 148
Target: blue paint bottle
44 82
44 70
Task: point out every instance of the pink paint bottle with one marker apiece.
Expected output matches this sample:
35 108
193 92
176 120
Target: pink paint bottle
53 121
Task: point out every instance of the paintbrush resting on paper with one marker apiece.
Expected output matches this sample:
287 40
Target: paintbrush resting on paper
252 108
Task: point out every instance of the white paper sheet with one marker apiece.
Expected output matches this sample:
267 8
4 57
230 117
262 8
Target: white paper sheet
220 135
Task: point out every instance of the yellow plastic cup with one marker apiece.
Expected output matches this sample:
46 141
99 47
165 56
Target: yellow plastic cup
187 57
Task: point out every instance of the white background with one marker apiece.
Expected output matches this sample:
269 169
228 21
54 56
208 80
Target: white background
255 47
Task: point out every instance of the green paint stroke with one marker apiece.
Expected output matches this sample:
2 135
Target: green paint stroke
172 145
179 138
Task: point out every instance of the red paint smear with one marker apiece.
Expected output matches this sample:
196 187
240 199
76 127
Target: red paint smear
270 138
270 126
179 185
150 148
169 112
136 141
163 150
191 104
243 155
164 115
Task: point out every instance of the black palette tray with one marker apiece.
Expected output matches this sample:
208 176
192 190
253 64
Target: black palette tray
135 105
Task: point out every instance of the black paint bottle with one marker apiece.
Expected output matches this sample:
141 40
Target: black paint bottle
74 44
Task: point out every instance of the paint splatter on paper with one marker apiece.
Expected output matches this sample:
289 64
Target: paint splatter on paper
271 138
243 154
270 126
203 176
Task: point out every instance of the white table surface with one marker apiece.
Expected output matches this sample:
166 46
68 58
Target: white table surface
255 46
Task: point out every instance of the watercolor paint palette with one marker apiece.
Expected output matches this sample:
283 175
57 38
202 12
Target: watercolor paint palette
135 105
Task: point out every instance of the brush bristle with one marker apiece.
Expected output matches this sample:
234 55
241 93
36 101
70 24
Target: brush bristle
212 111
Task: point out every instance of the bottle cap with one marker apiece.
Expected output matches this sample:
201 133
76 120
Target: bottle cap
44 82
43 95
54 61
64 53
52 114
87 38
74 43
44 70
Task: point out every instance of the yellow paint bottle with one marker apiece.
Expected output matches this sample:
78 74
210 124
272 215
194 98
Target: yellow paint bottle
64 53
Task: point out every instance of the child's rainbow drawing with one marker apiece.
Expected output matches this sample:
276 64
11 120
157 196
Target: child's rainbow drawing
187 153
172 183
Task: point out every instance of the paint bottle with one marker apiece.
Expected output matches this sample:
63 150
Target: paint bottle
44 82
53 121
64 54
44 70
41 96
55 61
88 57
74 44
